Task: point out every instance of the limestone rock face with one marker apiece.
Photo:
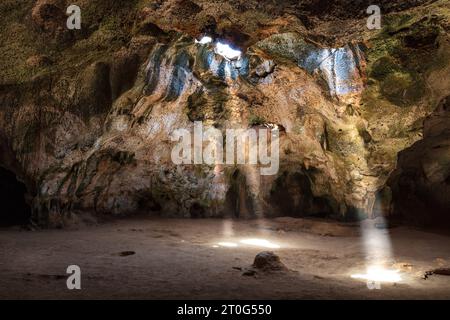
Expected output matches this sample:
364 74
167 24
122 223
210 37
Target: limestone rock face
93 130
421 184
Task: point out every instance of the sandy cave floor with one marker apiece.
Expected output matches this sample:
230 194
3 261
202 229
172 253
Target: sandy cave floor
181 259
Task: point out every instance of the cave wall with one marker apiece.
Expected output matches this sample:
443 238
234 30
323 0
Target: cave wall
89 114
421 182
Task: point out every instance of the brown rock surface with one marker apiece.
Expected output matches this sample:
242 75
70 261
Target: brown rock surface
268 261
421 182
92 131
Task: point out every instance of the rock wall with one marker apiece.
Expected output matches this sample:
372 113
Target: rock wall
87 116
421 183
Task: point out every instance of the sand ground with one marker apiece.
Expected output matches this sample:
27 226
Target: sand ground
182 259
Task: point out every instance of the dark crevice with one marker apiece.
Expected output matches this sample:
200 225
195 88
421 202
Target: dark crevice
292 195
238 203
13 207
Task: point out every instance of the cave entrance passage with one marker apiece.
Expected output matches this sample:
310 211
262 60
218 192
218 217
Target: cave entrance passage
13 208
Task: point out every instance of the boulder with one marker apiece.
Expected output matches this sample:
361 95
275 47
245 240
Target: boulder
268 261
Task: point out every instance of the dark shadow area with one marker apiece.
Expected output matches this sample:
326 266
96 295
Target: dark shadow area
420 184
13 208
238 202
292 196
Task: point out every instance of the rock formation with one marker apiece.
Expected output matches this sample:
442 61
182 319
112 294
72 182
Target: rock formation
268 261
87 116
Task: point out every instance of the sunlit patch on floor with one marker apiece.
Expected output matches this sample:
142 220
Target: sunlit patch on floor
260 243
379 274
378 250
227 244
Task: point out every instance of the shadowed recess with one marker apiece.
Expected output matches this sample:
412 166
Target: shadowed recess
14 209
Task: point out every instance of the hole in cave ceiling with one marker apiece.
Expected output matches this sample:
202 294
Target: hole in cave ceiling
222 48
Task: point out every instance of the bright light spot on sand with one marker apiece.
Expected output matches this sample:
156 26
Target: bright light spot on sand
228 244
204 40
378 250
379 274
260 243
226 51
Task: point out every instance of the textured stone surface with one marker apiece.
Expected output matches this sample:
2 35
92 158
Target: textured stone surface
421 183
91 130
268 261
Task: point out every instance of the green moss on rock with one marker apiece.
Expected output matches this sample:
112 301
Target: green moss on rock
384 66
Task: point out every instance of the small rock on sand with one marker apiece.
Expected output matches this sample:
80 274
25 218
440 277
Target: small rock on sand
268 261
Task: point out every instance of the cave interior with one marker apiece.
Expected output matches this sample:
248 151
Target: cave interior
351 101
